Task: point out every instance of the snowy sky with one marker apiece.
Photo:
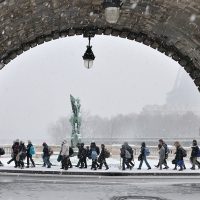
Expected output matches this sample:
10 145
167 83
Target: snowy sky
35 87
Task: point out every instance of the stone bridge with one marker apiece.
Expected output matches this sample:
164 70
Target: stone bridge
170 26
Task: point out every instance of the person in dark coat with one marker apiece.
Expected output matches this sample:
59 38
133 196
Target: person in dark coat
83 156
194 155
21 155
2 152
29 154
130 150
46 155
78 155
102 157
125 155
179 156
161 142
143 156
15 151
94 152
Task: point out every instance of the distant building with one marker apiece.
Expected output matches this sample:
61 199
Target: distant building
184 97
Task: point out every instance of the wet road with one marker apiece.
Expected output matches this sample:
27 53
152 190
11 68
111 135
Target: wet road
97 188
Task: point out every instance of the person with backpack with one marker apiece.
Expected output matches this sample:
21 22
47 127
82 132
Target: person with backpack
130 150
64 152
144 152
125 155
83 156
194 155
46 155
15 151
161 142
29 154
2 152
180 154
102 157
94 152
21 155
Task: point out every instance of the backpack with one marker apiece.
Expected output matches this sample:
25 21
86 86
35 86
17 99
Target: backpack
107 153
2 151
127 154
50 151
184 152
32 150
146 151
94 154
167 151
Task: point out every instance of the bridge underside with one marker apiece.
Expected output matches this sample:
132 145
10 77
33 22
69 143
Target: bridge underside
171 27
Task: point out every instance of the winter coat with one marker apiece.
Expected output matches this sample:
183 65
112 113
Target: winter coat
46 151
195 150
29 146
142 151
179 154
22 151
102 155
82 153
64 149
161 155
15 148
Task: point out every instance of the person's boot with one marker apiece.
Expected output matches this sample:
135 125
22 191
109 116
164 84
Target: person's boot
27 166
166 167
181 169
192 168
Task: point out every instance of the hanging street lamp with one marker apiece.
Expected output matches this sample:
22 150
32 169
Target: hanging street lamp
112 10
88 56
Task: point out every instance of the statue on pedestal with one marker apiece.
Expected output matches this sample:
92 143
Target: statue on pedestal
75 121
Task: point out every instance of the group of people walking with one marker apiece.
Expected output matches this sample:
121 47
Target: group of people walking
163 152
19 152
98 156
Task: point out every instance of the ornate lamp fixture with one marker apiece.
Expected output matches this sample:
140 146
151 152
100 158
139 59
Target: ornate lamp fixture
88 56
112 10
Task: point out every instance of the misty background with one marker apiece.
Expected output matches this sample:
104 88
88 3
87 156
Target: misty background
132 91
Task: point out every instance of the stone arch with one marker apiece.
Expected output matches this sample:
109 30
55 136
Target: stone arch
170 27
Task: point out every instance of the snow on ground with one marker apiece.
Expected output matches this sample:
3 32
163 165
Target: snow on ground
114 166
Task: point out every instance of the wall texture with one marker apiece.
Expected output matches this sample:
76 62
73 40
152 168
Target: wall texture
170 26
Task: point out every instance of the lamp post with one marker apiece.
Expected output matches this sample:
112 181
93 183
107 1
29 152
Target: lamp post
88 56
112 10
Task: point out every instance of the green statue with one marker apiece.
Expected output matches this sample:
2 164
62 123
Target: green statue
75 121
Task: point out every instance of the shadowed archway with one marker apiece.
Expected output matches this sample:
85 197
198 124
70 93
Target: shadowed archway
171 27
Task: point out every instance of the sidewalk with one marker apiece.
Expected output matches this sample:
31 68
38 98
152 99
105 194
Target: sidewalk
114 169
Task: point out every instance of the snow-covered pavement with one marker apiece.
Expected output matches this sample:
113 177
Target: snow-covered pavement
15 186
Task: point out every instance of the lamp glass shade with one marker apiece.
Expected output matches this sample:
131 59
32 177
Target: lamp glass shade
112 14
88 63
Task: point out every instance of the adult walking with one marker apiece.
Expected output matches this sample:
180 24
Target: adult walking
30 153
161 142
194 155
161 152
143 156
65 155
46 155
15 151
21 155
102 157
94 152
2 152
180 154
83 156
130 150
